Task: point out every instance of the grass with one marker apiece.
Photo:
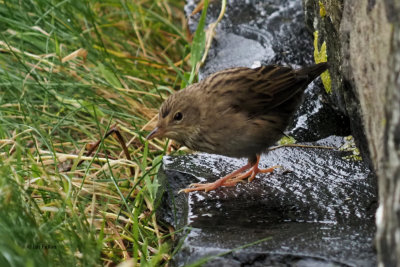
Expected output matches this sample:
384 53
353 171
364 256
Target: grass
69 71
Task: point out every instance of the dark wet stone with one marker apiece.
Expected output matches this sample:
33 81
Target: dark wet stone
318 209
251 32
316 119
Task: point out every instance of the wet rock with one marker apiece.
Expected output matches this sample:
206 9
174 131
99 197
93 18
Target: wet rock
318 209
316 118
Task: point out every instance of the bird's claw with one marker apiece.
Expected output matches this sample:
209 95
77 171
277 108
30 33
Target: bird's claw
196 187
209 186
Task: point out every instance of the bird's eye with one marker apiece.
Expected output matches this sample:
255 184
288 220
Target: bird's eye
178 116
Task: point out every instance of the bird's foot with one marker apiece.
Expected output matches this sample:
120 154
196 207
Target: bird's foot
206 187
220 182
231 179
251 174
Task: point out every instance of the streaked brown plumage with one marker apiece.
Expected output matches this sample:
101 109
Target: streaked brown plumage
237 112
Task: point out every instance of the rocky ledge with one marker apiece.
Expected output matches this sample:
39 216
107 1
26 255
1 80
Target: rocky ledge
317 209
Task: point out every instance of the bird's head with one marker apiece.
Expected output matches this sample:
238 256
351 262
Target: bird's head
178 118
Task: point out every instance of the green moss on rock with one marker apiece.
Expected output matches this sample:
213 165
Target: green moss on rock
321 56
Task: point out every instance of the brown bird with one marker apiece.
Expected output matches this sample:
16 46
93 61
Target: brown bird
237 112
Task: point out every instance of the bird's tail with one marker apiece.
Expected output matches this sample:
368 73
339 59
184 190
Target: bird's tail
313 71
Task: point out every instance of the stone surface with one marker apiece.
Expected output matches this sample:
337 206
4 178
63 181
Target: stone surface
344 96
363 46
317 210
254 32
364 29
388 219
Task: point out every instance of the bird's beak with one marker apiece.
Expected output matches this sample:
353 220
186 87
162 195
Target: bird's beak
157 132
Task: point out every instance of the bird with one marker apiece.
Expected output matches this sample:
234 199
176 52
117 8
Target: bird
237 112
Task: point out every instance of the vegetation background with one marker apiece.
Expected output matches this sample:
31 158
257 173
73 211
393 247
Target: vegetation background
70 71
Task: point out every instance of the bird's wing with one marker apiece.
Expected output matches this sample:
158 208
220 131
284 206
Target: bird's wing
258 90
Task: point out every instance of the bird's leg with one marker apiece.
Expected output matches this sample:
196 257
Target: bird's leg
251 174
211 186
233 178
